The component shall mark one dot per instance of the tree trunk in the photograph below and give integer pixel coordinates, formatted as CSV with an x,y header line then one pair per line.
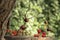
x,y
5,9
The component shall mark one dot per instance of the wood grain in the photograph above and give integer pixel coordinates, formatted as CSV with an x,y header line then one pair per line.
x,y
5,9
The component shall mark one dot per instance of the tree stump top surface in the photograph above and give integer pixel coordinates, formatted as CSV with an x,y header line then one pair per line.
x,y
27,38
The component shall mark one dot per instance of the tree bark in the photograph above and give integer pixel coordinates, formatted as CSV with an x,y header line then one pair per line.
x,y
5,9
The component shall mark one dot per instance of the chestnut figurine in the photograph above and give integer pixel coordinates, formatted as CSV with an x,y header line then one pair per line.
x,y
23,27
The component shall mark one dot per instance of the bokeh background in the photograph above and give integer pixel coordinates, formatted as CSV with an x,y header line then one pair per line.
x,y
38,11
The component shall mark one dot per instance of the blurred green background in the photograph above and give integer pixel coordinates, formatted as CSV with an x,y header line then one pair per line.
x,y
38,11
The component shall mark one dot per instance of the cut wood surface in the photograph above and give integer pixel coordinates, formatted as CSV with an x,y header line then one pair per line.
x,y
27,38
5,9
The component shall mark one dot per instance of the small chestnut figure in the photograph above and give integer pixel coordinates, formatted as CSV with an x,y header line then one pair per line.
x,y
21,30
23,27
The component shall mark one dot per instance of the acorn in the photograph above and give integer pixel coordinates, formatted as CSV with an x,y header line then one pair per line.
x,y
23,27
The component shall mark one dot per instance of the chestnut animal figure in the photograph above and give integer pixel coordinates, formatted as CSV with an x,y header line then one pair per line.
x,y
23,27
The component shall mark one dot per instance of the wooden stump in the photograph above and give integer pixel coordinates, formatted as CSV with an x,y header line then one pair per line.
x,y
26,38
17,38
5,9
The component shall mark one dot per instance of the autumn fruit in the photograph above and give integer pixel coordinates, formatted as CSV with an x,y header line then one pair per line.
x,y
36,35
26,19
14,33
23,27
39,31
44,34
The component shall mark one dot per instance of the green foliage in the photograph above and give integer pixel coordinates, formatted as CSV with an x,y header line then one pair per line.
x,y
38,11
